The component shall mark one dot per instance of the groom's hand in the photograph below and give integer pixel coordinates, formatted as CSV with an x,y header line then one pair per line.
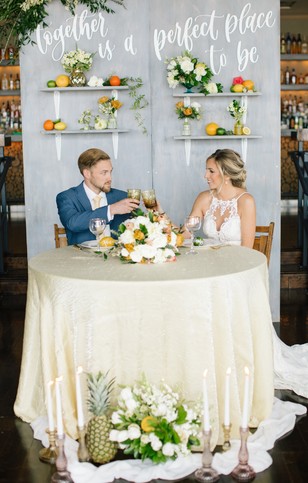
x,y
127,205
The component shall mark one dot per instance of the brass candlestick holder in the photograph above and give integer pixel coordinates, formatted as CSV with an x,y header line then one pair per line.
x,y
61,475
227,430
83,454
207,473
49,455
243,472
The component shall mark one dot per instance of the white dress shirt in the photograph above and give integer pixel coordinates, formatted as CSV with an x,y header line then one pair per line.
x,y
103,202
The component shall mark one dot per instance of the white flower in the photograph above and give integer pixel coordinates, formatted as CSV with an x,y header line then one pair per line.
x,y
211,87
186,65
100,124
199,71
127,237
168,449
155,442
126,393
196,105
95,81
145,439
124,253
113,435
131,405
122,436
115,418
136,255
134,431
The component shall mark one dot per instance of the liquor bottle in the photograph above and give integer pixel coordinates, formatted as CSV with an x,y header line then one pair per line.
x,y
293,77
287,76
11,83
17,82
306,78
301,79
288,43
304,46
293,45
292,122
4,83
283,47
299,44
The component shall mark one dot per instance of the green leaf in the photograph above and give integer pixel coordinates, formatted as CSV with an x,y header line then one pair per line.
x,y
182,414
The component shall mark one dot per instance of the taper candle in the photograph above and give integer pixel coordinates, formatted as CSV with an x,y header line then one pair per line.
x,y
206,415
244,424
80,418
227,398
60,431
51,424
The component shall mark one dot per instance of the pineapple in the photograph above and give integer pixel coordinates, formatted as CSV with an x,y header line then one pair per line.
x,y
101,449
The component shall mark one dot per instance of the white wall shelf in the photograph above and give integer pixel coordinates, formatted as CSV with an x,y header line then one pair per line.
x,y
222,137
221,94
85,89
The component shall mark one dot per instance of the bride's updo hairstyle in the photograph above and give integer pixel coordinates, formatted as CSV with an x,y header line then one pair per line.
x,y
230,164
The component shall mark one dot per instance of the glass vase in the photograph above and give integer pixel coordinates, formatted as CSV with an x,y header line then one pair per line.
x,y
186,128
112,122
78,78
188,87
238,128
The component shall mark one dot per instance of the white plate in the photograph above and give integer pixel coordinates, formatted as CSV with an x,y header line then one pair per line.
x,y
92,245
207,243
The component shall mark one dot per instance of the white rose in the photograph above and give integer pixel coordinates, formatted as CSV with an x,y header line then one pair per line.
x,y
122,436
196,105
155,442
160,241
159,257
115,418
127,237
187,65
169,253
100,124
145,439
168,449
113,435
131,404
133,431
136,254
211,87
148,251
126,393
125,253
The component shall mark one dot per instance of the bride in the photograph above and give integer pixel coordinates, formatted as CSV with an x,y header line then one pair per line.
x,y
229,216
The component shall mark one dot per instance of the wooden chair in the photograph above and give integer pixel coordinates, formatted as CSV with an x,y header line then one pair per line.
x,y
60,236
264,239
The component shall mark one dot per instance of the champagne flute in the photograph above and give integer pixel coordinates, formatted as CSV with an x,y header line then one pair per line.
x,y
192,223
97,227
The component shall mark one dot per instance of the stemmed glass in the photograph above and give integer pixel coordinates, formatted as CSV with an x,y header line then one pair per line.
x,y
192,223
97,227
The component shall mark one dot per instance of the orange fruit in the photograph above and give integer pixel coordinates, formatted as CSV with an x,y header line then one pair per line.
x,y
48,125
62,80
211,128
249,84
114,80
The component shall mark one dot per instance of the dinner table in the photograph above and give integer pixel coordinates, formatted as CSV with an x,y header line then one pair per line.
x,y
168,321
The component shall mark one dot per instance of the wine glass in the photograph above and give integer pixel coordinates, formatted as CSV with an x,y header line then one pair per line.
x,y
135,194
192,223
97,227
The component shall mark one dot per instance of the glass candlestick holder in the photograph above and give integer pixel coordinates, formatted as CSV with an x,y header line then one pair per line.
x,y
206,473
83,454
243,472
49,455
227,430
62,475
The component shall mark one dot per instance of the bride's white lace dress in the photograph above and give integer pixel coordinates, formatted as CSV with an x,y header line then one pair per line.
x,y
290,363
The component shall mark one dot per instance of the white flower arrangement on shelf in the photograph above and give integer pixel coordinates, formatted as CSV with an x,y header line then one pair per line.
x,y
187,71
77,59
155,422
236,110
95,81
86,119
147,238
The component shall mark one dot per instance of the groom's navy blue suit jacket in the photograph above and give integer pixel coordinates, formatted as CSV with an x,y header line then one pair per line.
x,y
75,212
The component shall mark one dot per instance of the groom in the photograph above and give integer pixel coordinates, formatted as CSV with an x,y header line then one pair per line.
x,y
93,198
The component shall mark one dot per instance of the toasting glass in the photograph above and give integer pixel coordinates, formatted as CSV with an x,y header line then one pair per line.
x,y
149,199
192,223
97,227
133,193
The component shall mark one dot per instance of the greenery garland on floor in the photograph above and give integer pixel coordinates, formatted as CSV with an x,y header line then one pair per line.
x,y
20,18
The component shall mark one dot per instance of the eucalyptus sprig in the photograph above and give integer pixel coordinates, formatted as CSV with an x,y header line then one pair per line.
x,y
20,18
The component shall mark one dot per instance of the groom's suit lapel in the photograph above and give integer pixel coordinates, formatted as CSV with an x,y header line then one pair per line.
x,y
82,197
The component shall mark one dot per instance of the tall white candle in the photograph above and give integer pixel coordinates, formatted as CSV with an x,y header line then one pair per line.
x,y
227,398
245,413
206,414
60,431
80,418
51,423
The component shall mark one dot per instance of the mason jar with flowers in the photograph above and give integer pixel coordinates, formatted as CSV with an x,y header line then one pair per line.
x,y
187,71
237,111
109,106
191,111
75,63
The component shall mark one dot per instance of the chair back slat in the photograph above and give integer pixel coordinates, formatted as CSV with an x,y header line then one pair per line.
x,y
264,239
60,236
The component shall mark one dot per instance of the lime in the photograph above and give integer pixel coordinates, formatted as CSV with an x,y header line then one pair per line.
x,y
51,83
221,131
246,130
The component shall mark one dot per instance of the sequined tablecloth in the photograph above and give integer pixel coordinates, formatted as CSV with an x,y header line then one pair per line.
x,y
171,321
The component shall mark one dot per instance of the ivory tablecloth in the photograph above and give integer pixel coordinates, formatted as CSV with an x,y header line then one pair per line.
x,y
171,321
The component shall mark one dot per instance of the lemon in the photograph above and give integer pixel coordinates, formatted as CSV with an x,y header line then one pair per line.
x,y
107,241
237,88
62,80
246,130
60,126
211,128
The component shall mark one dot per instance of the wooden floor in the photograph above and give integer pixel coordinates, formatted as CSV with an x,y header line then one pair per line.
x,y
19,461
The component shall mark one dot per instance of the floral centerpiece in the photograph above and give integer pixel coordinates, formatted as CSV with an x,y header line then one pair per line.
x,y
109,106
147,238
75,63
237,111
154,422
187,71
192,111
